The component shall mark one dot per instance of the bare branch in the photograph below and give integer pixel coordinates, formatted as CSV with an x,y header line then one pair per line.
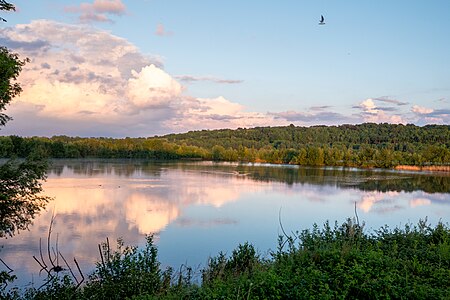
x,y
43,267
10,270
101,255
40,252
79,270
70,269
49,239
356,213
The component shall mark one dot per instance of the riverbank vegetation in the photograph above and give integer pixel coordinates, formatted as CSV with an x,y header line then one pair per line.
x,y
364,145
329,262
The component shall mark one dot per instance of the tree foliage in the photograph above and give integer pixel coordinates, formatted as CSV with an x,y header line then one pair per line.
x,y
20,185
20,182
364,145
6,6
11,66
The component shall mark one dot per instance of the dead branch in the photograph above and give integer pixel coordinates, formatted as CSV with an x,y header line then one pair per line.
x,y
356,214
9,269
68,267
43,268
40,253
49,239
55,268
108,249
288,238
101,255
79,271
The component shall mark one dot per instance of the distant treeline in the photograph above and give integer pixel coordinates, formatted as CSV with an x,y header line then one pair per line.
x,y
364,145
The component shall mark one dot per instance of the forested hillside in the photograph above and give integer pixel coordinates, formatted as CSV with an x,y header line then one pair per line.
x,y
366,145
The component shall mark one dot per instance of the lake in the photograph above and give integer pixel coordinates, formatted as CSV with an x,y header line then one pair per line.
x,y
197,209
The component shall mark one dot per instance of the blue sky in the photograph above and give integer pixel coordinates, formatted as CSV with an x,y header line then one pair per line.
x,y
226,64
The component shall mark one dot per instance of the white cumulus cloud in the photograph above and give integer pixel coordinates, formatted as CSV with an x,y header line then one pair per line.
x,y
152,87
85,81
370,112
88,82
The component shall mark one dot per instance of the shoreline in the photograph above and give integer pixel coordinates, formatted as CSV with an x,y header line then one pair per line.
x,y
439,168
423,168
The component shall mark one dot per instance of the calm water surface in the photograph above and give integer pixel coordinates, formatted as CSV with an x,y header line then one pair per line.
x,y
196,209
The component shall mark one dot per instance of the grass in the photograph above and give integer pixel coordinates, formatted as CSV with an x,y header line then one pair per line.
x,y
328,262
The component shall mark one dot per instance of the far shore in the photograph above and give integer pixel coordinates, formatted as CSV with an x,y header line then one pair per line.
x,y
423,168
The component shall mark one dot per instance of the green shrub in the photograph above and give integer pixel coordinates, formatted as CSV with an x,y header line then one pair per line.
x,y
124,272
340,262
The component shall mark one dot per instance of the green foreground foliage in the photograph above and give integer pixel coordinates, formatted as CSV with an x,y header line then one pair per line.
x,y
364,145
333,262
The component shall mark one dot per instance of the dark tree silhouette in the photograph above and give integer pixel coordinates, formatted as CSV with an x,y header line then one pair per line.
x,y
6,6
20,182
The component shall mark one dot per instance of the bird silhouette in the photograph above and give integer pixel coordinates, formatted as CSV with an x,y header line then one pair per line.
x,y
321,20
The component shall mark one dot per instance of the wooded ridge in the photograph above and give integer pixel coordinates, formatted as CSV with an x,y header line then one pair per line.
x,y
364,145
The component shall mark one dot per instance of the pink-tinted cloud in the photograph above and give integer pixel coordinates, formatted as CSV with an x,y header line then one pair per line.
x,y
421,110
191,78
316,117
161,31
106,6
98,11
426,115
370,112
86,81
88,17
390,100
370,199
216,113
419,202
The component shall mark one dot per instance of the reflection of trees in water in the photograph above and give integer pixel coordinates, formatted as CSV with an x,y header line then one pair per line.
x,y
363,179
366,180
20,202
123,168
426,183
56,170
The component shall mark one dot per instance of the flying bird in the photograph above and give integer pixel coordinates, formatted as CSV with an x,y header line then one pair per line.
x,y
321,20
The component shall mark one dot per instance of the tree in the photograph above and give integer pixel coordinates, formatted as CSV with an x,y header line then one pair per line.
x,y
11,66
20,185
20,182
6,6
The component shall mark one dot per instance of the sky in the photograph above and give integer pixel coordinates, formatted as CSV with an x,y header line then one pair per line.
x,y
121,68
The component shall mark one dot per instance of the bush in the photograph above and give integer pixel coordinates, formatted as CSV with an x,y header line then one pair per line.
x,y
125,272
339,262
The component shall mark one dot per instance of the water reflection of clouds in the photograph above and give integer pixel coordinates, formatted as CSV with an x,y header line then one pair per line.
x,y
148,205
419,202
436,198
369,199
205,223
315,193
388,209
383,202
89,209
148,213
